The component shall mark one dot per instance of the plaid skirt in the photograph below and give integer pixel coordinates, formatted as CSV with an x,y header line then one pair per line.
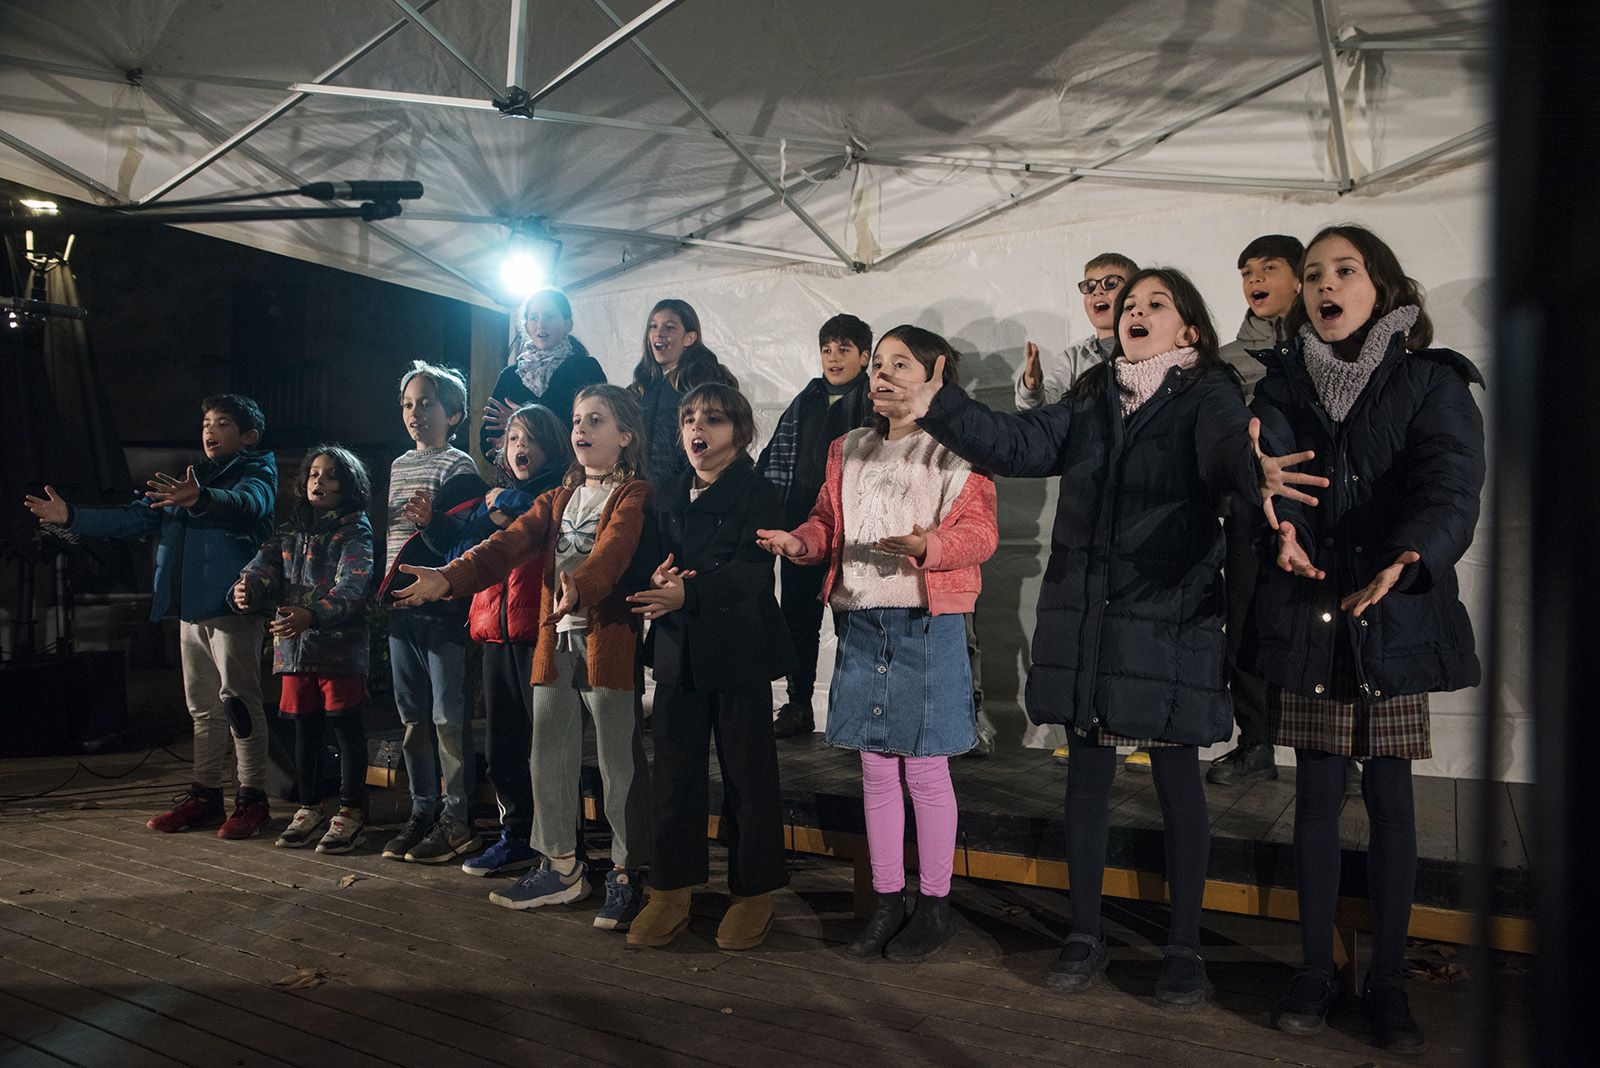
x,y
1346,723
1098,736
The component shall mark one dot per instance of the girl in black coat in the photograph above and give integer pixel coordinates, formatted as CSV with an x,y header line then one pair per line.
x,y
549,367
716,642
1362,618
1129,647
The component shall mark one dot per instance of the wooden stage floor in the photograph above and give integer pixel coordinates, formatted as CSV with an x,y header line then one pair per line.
x,y
119,946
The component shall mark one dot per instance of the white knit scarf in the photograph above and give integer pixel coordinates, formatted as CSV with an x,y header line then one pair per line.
x,y
535,366
1139,381
1339,381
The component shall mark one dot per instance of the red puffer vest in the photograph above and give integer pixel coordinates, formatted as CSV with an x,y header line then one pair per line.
x,y
509,610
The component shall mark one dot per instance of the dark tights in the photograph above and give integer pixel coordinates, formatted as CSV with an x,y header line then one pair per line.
x,y
350,735
1186,833
1391,855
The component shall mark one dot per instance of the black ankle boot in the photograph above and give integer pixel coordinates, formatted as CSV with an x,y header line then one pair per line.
x,y
931,926
888,916
794,720
1388,1014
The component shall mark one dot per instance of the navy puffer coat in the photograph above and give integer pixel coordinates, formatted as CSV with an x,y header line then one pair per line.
x,y
1406,468
1129,635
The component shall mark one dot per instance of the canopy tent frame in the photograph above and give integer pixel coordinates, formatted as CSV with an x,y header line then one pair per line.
x,y
514,101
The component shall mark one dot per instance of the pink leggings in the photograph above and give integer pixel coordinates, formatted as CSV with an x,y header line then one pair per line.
x,y
933,799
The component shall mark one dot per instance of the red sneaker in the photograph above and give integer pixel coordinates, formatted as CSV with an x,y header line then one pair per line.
x,y
249,817
199,807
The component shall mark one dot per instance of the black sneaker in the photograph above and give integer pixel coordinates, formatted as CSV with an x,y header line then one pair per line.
x,y
1304,1007
1388,1014
1081,959
1181,984
415,830
1246,763
794,719
449,839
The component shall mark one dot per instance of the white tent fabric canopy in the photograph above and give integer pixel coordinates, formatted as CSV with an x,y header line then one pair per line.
x,y
942,162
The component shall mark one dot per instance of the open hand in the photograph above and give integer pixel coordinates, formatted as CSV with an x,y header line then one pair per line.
x,y
168,492
665,573
290,620
914,545
1276,478
1381,584
781,543
1292,555
419,509
566,600
907,398
1032,372
431,585
665,596
241,596
49,508
495,414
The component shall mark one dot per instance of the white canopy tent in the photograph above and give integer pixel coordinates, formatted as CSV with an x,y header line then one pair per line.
x,y
944,162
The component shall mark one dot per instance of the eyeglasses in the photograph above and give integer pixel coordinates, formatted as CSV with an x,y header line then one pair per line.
x,y
1110,283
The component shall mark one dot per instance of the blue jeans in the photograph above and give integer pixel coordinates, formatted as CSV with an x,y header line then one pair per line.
x,y
428,653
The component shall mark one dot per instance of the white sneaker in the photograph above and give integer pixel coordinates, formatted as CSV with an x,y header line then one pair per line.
x,y
345,831
302,828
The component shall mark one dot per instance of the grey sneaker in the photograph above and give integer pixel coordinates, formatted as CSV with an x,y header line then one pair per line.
x,y
345,831
449,839
415,830
302,828
544,886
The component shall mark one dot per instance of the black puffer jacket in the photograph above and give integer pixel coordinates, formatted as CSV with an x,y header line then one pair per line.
x,y
1406,468
1131,610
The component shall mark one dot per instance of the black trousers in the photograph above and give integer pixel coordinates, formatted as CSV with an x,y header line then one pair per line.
x,y
350,734
752,813
1239,578
799,598
507,704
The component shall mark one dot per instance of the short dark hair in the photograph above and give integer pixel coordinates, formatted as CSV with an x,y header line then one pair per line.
x,y
355,485
1395,289
241,409
1274,247
927,347
846,327
727,400
1112,259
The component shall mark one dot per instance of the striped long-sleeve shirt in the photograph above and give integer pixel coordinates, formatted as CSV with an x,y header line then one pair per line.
x,y
419,469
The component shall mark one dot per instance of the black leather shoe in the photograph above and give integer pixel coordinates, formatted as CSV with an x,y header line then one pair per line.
x,y
887,919
931,926
794,720
1388,1014
1082,958
1181,984
1304,1007
1246,763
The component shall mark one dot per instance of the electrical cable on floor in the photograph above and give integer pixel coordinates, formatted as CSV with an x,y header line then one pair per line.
x,y
12,799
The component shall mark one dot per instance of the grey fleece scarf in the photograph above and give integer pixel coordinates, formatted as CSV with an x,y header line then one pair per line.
x,y
535,366
1339,382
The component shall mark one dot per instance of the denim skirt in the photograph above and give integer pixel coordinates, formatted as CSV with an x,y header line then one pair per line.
x,y
902,684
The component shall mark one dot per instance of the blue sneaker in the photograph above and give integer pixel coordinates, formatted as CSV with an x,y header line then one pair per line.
x,y
505,855
544,886
623,901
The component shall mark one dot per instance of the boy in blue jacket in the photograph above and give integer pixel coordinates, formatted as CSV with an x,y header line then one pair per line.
x,y
210,523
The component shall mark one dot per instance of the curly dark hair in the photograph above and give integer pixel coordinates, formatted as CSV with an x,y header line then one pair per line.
x,y
355,485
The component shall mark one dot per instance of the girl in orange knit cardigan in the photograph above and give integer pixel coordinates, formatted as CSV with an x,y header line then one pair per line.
x,y
589,530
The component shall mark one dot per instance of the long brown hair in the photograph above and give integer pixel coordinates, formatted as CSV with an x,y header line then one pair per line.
x,y
1191,309
355,487
624,408
1395,288
699,364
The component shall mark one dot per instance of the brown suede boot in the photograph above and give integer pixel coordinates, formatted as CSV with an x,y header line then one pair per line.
x,y
746,923
665,914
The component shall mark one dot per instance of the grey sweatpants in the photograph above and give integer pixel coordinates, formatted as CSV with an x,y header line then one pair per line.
x,y
222,686
558,753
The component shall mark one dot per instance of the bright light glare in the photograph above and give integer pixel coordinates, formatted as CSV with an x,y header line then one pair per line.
x,y
42,207
522,273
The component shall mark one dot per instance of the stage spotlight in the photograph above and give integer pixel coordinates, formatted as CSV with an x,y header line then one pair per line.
x,y
529,262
